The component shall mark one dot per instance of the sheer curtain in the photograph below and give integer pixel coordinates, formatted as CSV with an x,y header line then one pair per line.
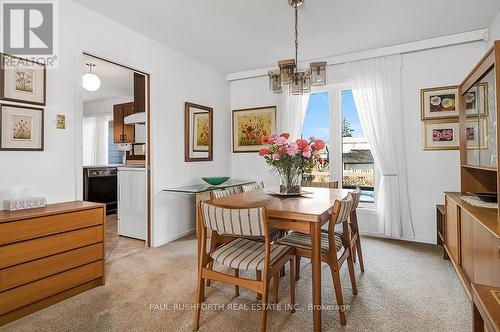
x,y
376,87
292,114
95,140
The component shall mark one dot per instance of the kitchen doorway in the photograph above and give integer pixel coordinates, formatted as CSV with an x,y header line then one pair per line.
x,y
115,136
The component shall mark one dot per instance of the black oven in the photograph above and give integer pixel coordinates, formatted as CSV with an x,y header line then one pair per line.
x,y
100,185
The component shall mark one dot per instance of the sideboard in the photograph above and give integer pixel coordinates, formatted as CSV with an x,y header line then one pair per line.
x,y
49,254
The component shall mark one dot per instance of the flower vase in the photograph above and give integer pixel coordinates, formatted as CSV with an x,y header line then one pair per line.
x,y
290,182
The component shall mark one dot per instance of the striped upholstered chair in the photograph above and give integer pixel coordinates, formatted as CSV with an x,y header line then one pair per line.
x,y
330,184
225,192
242,253
335,249
353,224
253,186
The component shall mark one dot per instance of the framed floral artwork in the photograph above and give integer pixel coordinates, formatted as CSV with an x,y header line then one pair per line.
x,y
476,96
439,103
21,128
198,132
22,80
201,131
250,125
476,133
441,135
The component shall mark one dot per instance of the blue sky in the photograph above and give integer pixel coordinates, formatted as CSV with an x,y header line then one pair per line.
x,y
317,120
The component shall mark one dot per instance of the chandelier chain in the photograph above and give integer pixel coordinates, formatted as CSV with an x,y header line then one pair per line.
x,y
296,34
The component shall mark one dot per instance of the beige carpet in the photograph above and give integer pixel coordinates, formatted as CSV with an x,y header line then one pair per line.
x,y
406,287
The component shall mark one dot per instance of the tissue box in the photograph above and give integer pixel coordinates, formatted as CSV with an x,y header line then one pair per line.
x,y
25,203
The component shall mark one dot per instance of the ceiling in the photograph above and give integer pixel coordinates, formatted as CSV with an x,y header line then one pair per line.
x,y
237,35
116,81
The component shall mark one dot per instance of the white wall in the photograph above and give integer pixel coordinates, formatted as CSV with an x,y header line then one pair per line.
x,y
429,173
494,31
175,79
104,106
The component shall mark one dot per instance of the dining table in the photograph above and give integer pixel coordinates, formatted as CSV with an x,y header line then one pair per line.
x,y
305,213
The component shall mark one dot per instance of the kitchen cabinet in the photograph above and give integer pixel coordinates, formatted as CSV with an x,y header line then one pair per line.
x,y
451,229
123,133
132,206
139,93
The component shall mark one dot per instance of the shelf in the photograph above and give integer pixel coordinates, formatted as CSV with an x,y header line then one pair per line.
x,y
484,168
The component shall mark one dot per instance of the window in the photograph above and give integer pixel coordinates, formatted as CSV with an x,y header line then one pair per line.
x,y
357,159
316,124
115,156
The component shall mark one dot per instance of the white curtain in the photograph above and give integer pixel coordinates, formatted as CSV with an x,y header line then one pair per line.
x,y
292,114
95,140
376,87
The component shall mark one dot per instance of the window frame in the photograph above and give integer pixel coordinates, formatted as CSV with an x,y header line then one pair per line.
x,y
335,138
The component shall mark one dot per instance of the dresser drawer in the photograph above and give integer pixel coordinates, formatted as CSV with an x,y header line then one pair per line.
x,y
25,251
38,290
36,227
27,272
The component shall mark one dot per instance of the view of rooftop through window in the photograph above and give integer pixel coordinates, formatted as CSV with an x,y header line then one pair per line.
x,y
357,159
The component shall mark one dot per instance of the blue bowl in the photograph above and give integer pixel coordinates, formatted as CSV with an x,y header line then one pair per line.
x,y
215,180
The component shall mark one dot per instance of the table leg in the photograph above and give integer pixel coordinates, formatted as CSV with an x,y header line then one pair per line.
x,y
316,274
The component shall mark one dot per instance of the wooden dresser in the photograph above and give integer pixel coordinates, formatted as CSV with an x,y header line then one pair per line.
x,y
49,254
472,241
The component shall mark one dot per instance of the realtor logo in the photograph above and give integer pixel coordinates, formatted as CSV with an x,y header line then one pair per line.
x,y
29,29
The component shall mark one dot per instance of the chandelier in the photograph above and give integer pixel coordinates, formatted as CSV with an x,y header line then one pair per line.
x,y
299,80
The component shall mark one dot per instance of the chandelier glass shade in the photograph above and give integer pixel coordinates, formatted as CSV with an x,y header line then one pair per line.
x,y
90,81
300,81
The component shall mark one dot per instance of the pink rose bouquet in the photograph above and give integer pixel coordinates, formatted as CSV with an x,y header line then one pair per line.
x,y
291,159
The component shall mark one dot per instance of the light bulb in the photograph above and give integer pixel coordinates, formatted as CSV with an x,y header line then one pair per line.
x,y
91,82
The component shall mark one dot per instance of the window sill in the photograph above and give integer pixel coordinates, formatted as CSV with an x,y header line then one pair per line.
x,y
370,208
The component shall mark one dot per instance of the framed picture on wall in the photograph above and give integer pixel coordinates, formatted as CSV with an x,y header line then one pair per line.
x,y
198,132
441,135
476,100
250,125
201,130
439,103
21,128
22,80
476,133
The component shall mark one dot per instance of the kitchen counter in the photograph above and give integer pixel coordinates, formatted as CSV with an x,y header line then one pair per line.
x,y
103,166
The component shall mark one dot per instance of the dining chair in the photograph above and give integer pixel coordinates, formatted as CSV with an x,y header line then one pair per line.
x,y
331,245
329,184
253,186
242,253
219,238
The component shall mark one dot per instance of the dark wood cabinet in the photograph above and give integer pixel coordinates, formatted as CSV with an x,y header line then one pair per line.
x,y
139,93
123,133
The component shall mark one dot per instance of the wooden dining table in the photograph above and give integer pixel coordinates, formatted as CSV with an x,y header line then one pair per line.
x,y
305,214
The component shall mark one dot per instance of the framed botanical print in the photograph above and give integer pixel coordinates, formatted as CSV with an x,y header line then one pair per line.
x,y
250,125
21,128
441,134
198,132
439,103
476,96
201,131
476,133
22,80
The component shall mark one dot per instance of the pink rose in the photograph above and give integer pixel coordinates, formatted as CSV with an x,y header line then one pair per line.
x,y
302,143
276,156
264,151
447,134
285,135
306,154
436,136
319,144
280,141
292,149
283,149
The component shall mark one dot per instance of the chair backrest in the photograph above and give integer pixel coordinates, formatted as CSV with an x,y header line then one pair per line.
x,y
356,196
253,186
241,222
225,192
342,209
329,184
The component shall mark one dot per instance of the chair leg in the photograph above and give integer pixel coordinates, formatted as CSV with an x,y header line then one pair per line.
x,y
263,315
258,277
282,272
360,254
353,252
292,284
297,267
276,288
199,300
352,275
210,267
236,288
338,295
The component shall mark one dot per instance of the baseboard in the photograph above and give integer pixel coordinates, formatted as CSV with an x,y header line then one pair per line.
x,y
408,239
183,234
